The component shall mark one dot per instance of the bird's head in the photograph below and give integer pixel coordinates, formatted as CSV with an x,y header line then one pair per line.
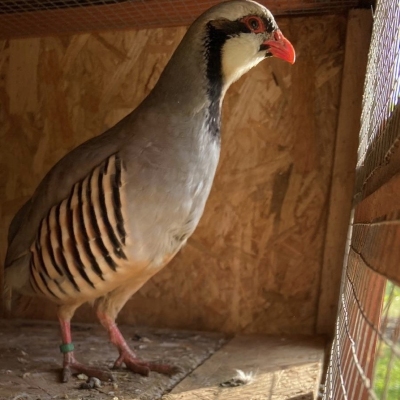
x,y
237,36
218,48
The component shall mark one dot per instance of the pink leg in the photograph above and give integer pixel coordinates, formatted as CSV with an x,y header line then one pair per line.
x,y
70,365
126,355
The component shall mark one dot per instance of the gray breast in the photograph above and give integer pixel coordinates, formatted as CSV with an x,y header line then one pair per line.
x,y
169,183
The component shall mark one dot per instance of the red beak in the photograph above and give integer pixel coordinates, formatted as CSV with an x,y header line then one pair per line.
x,y
280,47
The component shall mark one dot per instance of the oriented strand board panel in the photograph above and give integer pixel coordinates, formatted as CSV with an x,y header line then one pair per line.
x,y
254,263
30,360
281,369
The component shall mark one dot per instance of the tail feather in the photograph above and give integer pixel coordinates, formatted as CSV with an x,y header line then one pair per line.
x,y
16,281
6,302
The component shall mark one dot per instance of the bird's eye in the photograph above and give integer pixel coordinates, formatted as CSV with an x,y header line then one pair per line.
x,y
253,22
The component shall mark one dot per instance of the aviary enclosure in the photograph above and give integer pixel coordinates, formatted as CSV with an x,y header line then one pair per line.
x,y
292,273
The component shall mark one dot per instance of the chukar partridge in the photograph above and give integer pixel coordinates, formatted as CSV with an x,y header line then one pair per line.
x,y
116,209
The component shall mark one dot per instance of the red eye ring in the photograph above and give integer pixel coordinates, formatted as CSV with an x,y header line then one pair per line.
x,y
254,23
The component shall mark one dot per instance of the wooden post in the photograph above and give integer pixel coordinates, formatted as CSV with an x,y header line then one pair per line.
x,y
357,44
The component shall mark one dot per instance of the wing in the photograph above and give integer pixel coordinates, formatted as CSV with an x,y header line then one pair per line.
x,y
81,241
57,185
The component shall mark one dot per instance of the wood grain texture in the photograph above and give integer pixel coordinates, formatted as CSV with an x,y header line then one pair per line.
x,y
282,369
254,262
371,243
382,203
359,28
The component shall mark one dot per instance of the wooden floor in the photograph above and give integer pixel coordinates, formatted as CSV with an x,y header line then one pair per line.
x,y
274,368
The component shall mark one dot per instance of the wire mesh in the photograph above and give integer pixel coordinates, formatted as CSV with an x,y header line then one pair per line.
x,y
381,117
365,361
386,376
365,356
21,18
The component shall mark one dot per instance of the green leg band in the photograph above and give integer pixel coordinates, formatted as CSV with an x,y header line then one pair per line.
x,y
67,348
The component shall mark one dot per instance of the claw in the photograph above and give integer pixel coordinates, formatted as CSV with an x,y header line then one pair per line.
x,y
137,366
127,356
143,368
104,374
164,369
66,374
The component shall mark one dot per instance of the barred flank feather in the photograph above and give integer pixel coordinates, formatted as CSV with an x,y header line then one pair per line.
x,y
82,239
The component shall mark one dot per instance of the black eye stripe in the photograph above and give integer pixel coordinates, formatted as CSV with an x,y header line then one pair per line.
x,y
229,28
253,23
270,25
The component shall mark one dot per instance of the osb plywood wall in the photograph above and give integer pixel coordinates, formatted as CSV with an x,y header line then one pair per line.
x,y
254,262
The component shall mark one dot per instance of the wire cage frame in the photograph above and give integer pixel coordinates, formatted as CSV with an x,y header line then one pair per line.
x,y
24,18
365,354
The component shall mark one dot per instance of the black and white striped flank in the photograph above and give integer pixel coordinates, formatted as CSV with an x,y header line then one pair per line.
x,y
83,237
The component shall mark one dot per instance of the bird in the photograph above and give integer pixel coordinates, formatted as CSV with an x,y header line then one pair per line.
x,y
116,209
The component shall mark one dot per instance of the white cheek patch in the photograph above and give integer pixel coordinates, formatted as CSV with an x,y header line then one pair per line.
x,y
239,54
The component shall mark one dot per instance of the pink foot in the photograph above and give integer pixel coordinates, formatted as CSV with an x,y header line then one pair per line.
x,y
128,358
71,366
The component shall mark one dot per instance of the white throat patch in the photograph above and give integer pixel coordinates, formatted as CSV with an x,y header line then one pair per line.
x,y
239,54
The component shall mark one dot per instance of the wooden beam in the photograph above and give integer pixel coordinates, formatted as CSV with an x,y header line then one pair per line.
x,y
376,231
382,160
357,43
381,204
377,245
282,368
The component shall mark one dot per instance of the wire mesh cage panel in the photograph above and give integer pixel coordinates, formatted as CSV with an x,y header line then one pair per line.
x,y
365,361
381,117
351,367
365,357
21,18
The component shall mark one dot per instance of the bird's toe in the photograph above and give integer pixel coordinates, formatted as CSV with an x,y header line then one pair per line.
x,y
164,369
143,368
104,374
